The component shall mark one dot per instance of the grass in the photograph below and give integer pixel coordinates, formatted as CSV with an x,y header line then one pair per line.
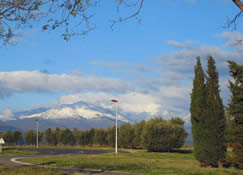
x,y
10,151
98,147
31,171
138,161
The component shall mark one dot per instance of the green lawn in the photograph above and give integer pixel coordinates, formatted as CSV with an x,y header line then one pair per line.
x,y
64,147
138,161
31,171
10,151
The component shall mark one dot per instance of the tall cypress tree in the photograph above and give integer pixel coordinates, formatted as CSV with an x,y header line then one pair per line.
x,y
198,112
215,121
236,112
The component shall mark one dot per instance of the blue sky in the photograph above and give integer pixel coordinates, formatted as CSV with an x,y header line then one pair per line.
x,y
148,66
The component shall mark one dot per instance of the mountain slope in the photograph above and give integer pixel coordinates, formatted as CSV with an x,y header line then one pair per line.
x,y
80,115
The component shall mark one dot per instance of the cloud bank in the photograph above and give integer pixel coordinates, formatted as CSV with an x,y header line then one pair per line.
x,y
36,81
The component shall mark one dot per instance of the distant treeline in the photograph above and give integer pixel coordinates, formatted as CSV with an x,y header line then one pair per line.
x,y
154,135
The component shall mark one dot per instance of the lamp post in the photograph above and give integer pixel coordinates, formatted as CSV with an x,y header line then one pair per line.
x,y
37,131
115,101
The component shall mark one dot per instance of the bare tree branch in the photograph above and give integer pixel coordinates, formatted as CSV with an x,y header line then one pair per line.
x,y
233,22
140,2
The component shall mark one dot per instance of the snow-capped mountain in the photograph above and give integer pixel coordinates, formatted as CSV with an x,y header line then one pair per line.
x,y
72,113
78,115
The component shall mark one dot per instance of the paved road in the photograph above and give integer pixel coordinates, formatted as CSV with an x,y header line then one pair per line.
x,y
6,160
12,161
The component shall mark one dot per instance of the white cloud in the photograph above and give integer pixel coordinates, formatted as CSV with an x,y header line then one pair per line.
x,y
169,101
233,40
139,103
7,114
129,102
93,98
185,44
36,81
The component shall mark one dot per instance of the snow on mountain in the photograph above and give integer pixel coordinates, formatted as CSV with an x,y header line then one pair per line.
x,y
75,111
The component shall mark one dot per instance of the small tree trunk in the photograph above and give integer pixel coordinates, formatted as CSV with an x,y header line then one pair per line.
x,y
220,164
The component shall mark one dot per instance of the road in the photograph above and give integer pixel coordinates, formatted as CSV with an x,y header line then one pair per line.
x,y
15,161
6,160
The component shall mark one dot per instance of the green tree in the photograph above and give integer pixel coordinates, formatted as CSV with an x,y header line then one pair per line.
x,y
126,136
161,135
138,130
177,121
229,128
84,138
215,122
17,136
76,134
236,111
67,137
40,136
91,134
8,137
180,133
56,136
198,109
48,135
30,137
100,137
111,134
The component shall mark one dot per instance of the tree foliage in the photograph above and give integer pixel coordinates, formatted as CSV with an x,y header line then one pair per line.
x,y
215,122
208,116
99,137
111,136
138,130
161,135
7,137
198,111
71,16
67,137
236,111
30,137
126,136
17,136
48,135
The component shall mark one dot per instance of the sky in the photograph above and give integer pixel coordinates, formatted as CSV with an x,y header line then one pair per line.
x,y
148,65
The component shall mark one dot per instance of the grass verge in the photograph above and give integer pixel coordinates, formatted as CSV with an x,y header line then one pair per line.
x,y
138,161
31,171
11,151
64,147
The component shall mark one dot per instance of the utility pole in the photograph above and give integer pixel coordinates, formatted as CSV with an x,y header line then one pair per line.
x,y
115,101
37,131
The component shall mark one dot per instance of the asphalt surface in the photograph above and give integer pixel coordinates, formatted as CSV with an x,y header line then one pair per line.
x,y
15,161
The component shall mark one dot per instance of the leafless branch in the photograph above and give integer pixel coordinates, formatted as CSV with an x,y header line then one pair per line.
x,y
134,15
233,22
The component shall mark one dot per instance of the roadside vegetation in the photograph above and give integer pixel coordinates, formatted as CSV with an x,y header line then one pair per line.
x,y
10,151
145,134
31,171
179,162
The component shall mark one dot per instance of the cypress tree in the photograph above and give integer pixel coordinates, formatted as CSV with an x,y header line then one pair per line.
x,y
215,121
236,112
198,113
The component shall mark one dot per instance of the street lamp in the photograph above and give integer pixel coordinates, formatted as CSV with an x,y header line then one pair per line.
x,y
37,130
115,101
